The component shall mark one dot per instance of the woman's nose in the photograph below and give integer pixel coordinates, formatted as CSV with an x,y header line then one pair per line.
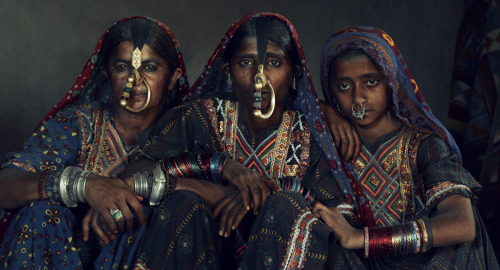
x,y
358,94
138,79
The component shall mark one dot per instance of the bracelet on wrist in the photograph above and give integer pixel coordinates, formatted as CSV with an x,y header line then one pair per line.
x,y
410,237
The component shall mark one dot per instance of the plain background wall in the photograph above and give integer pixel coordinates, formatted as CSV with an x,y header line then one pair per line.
x,y
45,44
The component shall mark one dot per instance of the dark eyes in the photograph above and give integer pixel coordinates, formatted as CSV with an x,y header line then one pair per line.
x,y
246,62
150,68
372,82
345,86
122,67
273,63
270,62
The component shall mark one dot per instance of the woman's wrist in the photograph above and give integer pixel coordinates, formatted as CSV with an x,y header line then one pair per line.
x,y
357,239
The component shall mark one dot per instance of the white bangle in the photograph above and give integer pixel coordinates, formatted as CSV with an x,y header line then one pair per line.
x,y
158,189
367,241
64,185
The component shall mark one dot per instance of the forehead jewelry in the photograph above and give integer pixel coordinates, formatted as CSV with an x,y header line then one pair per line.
x,y
131,80
358,111
140,32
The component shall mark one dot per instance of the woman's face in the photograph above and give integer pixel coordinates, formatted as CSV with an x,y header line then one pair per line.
x,y
277,68
154,69
358,80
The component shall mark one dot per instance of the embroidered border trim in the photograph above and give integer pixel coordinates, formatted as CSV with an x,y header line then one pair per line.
x,y
298,245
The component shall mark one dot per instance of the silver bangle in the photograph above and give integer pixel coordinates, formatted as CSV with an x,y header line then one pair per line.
x,y
72,186
142,185
158,188
63,187
80,186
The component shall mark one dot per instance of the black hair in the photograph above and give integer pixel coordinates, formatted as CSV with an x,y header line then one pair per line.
x,y
278,33
158,39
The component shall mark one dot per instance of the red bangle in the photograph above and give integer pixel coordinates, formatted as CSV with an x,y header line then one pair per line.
x,y
40,183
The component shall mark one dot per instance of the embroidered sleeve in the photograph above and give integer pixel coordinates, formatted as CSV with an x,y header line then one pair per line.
x,y
319,178
53,145
442,174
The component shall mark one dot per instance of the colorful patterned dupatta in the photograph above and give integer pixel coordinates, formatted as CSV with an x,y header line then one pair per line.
x,y
92,85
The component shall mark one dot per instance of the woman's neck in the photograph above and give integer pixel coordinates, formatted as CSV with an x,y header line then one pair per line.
x,y
379,128
130,126
256,125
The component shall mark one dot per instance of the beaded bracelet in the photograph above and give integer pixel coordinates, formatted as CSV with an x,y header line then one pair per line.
x,y
40,183
52,187
411,237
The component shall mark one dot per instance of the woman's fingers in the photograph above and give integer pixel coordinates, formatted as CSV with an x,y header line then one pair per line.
x,y
224,228
86,225
220,205
101,230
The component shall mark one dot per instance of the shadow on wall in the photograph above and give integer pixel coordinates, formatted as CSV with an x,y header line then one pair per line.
x,y
474,114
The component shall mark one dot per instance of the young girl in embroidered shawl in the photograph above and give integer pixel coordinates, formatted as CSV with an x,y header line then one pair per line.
x,y
414,200
77,152
252,117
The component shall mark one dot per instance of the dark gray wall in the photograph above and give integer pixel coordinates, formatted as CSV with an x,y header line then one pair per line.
x,y
44,44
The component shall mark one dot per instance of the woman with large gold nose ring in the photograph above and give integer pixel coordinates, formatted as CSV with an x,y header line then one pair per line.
x,y
135,79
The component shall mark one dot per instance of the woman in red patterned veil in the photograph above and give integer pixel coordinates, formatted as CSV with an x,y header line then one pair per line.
x,y
72,161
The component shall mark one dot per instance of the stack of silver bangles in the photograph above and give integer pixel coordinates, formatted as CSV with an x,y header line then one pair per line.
x,y
68,186
151,185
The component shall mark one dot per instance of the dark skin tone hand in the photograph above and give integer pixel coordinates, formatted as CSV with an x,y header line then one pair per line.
x,y
122,197
232,202
249,183
453,212
346,137
231,213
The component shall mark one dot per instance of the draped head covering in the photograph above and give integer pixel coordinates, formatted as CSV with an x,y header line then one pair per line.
x,y
93,85
409,103
306,100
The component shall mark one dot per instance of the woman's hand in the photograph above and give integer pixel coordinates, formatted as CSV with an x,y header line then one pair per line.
x,y
348,236
104,194
345,135
92,219
232,210
249,183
